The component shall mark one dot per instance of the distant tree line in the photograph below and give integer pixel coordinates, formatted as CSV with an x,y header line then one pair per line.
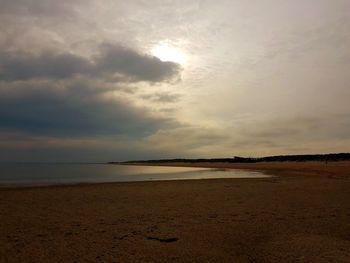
x,y
236,159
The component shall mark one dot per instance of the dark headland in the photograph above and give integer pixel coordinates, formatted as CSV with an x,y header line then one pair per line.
x,y
331,157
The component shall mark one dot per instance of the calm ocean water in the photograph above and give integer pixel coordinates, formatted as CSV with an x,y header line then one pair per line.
x,y
46,174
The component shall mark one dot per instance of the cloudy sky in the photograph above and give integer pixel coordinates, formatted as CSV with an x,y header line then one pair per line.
x,y
88,80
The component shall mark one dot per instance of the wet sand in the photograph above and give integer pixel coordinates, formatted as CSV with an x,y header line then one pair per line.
x,y
302,215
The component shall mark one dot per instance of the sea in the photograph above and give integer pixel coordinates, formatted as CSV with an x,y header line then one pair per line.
x,y
36,174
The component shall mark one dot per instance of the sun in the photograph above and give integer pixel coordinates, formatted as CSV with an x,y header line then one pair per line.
x,y
167,53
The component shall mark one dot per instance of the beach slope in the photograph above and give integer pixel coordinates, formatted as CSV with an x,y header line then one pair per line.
x,y
301,215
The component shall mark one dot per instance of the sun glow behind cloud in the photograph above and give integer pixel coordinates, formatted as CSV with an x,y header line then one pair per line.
x,y
168,53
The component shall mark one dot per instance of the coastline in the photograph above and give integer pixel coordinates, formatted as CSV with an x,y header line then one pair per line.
x,y
341,168
302,214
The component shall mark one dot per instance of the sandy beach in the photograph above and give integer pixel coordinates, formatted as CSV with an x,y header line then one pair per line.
x,y
301,215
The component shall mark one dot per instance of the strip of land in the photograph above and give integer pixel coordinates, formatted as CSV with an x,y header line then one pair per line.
x,y
302,215
341,168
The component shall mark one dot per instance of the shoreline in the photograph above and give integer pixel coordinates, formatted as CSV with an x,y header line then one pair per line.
x,y
124,183
273,169
185,175
307,167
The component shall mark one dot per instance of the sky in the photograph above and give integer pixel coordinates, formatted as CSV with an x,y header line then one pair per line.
x,y
112,80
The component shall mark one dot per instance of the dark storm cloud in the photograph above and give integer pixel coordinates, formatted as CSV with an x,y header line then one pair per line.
x,y
38,108
118,59
113,61
23,66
